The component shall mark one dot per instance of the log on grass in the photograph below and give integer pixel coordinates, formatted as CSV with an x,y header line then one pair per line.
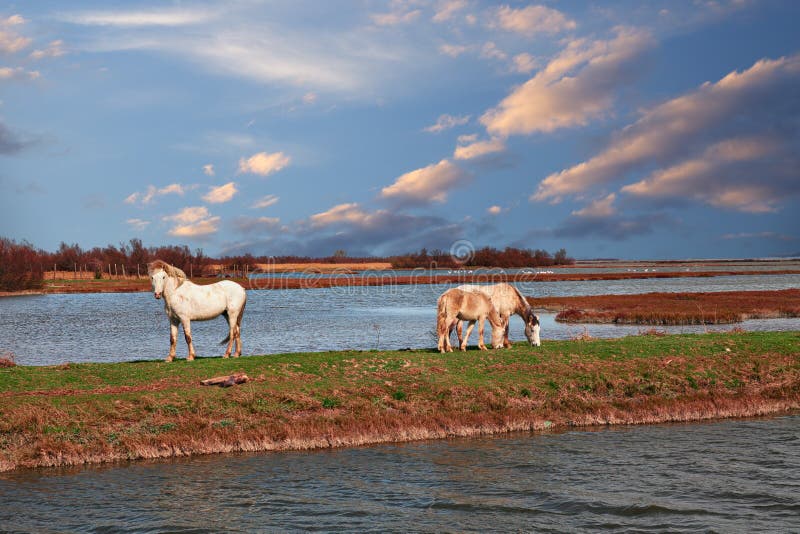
x,y
226,380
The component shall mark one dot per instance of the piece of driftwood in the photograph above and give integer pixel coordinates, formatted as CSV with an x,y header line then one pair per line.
x,y
226,380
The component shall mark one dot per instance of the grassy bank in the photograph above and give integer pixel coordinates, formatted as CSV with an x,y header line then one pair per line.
x,y
673,308
79,413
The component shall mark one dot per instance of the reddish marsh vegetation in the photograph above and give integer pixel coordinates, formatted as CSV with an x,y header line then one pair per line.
x,y
299,401
379,279
674,308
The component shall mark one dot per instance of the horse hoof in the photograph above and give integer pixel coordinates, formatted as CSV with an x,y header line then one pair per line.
x,y
226,355
189,358
169,359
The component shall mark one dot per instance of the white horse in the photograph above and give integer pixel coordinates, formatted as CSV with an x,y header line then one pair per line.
x,y
454,306
507,300
185,301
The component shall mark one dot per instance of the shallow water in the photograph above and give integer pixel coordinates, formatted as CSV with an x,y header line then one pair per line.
x,y
53,329
729,476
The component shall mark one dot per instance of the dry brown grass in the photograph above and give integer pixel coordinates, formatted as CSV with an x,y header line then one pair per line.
x,y
674,308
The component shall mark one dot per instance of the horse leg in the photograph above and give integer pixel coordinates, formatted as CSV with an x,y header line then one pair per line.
x,y
507,320
236,333
466,336
443,333
238,341
459,331
187,333
481,346
173,340
239,330
231,332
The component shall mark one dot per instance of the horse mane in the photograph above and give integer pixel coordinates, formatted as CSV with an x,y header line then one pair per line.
x,y
171,270
528,307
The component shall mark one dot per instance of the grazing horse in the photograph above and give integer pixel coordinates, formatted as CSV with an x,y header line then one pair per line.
x,y
454,306
185,301
507,300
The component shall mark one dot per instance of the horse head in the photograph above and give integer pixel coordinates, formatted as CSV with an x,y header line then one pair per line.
x,y
532,329
159,271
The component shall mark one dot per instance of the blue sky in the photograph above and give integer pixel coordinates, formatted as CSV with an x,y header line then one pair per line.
x,y
620,129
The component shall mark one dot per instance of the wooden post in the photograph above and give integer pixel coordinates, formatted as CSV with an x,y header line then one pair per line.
x,y
54,271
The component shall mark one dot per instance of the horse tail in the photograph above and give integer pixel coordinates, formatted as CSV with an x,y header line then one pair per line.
x,y
241,313
441,313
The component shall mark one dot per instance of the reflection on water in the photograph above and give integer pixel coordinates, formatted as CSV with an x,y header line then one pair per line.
x,y
729,476
52,329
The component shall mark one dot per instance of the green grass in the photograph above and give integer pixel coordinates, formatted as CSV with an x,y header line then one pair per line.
x,y
329,369
68,413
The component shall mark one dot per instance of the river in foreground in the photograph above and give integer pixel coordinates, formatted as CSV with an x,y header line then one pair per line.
x,y
729,476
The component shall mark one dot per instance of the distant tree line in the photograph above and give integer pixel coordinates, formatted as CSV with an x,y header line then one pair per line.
x,y
22,266
508,258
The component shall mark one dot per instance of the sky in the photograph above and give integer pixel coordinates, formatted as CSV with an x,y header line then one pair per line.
x,y
639,130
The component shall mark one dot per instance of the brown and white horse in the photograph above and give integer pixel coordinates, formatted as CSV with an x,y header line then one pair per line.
x,y
185,301
454,306
507,300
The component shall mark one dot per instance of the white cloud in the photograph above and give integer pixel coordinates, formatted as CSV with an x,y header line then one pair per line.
x,y
18,73
603,207
189,215
208,170
152,192
479,149
453,50
532,20
199,229
264,164
394,18
265,202
193,221
578,85
426,185
243,43
169,17
13,20
445,122
223,193
707,178
524,63
138,224
495,210
350,213
309,98
759,235
446,9
10,41
681,130
490,51
54,49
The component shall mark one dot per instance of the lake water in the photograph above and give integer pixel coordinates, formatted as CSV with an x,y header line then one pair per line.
x,y
53,329
728,476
